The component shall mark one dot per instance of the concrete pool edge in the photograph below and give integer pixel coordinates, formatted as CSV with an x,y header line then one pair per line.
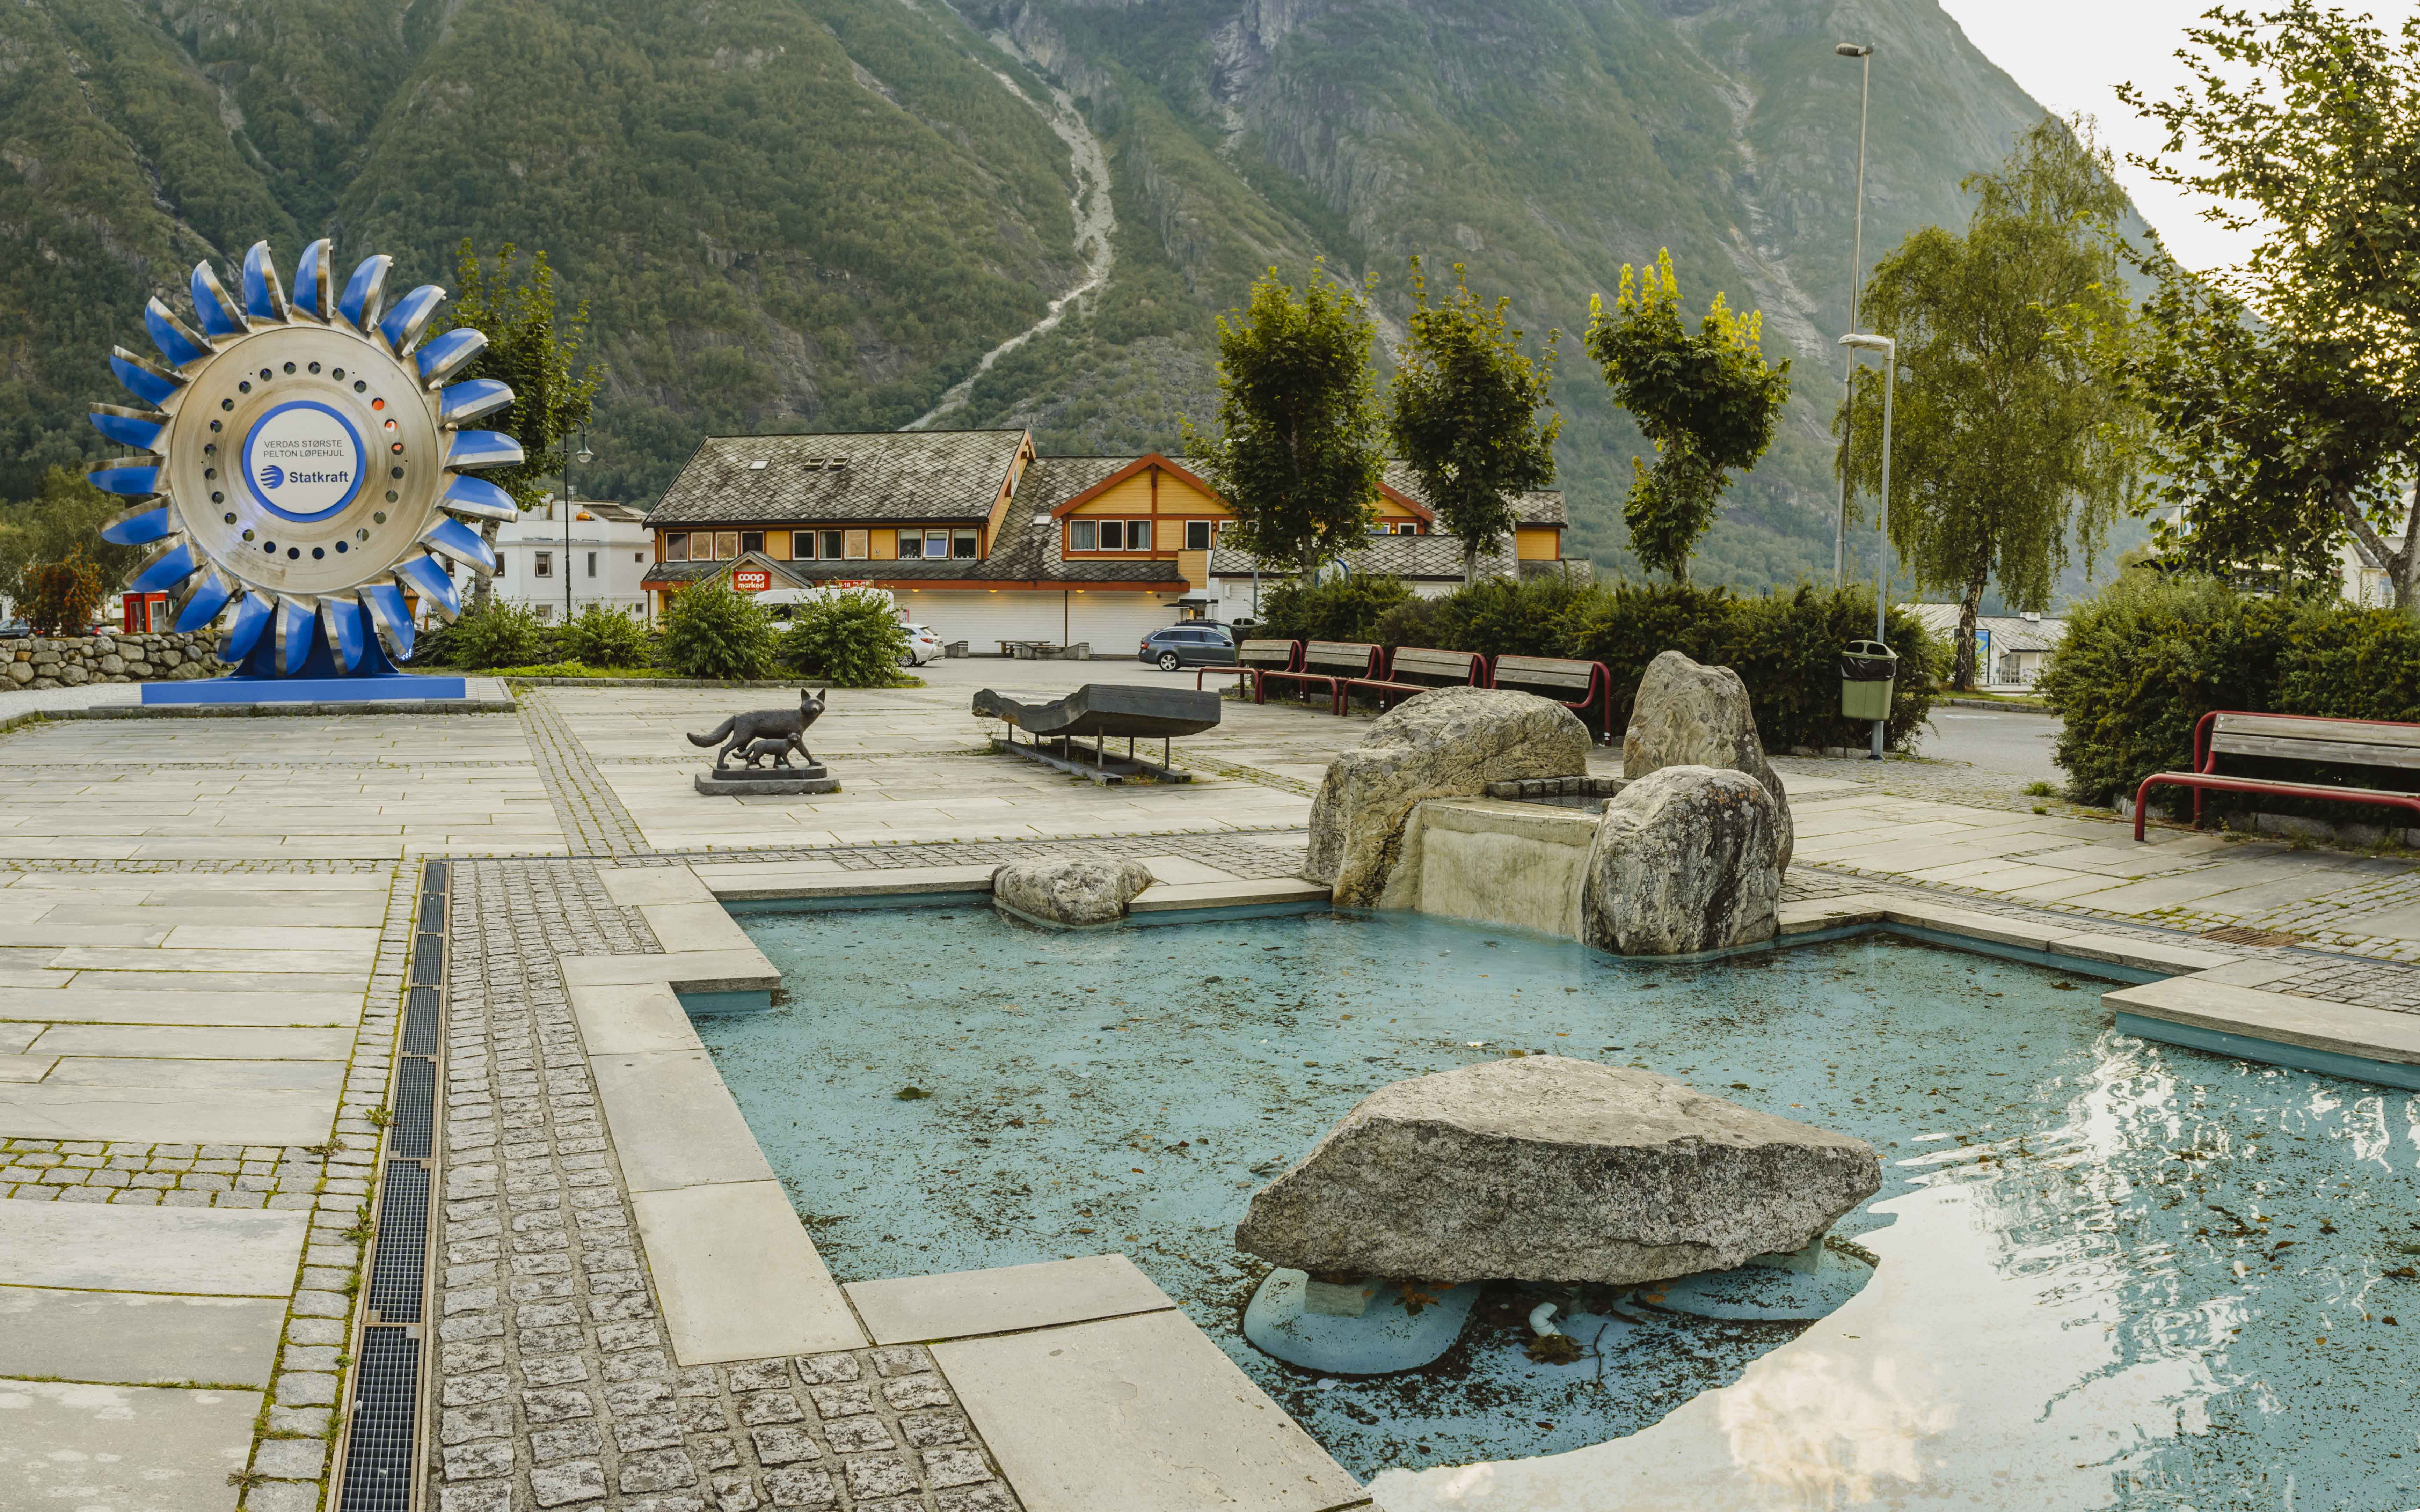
x,y
728,1249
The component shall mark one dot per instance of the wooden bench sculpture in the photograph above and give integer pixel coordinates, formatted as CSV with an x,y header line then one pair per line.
x,y
1585,687
2294,738
1324,664
1444,669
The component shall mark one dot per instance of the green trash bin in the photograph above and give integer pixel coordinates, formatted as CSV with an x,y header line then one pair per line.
x,y
1868,670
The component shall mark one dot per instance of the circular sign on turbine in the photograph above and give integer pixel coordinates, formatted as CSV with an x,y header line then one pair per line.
x,y
305,465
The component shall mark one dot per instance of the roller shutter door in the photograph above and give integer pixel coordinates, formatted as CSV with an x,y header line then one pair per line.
x,y
1115,623
982,620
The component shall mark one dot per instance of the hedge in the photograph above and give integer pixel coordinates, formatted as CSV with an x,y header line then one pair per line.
x,y
2148,655
1785,644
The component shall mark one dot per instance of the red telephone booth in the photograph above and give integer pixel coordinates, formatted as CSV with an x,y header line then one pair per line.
x,y
145,613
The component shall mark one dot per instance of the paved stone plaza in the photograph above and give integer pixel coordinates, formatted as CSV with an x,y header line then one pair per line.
x,y
207,925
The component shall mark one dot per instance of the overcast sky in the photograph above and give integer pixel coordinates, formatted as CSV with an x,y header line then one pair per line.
x,y
2072,56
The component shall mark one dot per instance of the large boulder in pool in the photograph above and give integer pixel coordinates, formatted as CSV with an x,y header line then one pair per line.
x,y
1069,894
1544,1168
1686,859
1449,743
1688,715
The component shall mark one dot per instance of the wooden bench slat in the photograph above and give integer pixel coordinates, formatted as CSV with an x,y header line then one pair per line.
x,y
1545,672
2295,726
2350,752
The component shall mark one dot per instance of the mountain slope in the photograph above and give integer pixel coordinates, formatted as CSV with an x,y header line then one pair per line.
x,y
822,214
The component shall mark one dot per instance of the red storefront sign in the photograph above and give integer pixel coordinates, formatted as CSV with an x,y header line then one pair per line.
x,y
751,579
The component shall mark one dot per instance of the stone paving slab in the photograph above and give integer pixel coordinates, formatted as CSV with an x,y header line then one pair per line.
x,y
111,1248
1137,1414
111,1002
162,1042
198,1113
135,1339
736,1276
674,1123
143,1449
1008,1299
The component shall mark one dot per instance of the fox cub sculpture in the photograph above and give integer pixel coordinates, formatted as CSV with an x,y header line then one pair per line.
x,y
787,726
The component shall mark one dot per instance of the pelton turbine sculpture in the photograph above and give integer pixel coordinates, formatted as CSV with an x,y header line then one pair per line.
x,y
301,460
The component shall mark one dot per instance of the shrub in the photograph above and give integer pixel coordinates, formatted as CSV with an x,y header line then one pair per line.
x,y
1785,645
605,637
851,639
2145,657
61,597
712,630
1348,609
500,634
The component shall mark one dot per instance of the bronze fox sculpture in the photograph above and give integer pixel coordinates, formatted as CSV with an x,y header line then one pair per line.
x,y
786,725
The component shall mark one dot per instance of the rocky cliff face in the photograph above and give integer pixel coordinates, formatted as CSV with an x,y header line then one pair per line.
x,y
826,213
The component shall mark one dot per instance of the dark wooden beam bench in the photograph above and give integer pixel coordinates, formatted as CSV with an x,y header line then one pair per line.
x,y
1585,687
1405,664
2375,743
1324,665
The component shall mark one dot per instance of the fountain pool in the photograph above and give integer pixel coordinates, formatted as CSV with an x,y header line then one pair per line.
x,y
2156,1277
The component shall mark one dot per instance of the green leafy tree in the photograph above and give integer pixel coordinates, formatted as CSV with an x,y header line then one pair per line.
x,y
1708,402
1463,413
1296,450
499,633
852,638
2307,376
713,630
2012,429
65,516
532,348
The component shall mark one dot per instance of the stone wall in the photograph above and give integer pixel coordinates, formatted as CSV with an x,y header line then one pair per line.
x,y
74,660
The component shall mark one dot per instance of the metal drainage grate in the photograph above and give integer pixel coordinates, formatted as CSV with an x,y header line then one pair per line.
x,y
427,959
420,1022
387,1398
401,1257
432,876
432,911
415,1109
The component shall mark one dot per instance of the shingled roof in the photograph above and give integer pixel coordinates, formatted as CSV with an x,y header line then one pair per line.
x,y
1544,507
949,476
1435,557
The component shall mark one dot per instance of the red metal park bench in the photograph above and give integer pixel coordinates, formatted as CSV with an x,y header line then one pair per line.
x,y
1324,664
1406,665
2294,738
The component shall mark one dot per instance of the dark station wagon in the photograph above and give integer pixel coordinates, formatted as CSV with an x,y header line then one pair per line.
x,y
1188,645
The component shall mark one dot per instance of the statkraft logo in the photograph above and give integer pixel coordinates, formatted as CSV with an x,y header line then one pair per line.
x,y
271,476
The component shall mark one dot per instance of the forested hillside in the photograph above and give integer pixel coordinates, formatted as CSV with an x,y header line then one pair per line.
x,y
821,214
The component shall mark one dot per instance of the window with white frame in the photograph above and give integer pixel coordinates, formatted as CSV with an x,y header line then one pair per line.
x,y
1197,535
592,563
1138,536
1083,535
545,567
962,545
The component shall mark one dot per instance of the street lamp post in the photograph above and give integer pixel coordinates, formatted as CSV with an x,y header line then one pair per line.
x,y
1863,53
1856,343
585,456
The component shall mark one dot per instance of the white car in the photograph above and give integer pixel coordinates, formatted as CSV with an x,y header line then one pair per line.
x,y
923,645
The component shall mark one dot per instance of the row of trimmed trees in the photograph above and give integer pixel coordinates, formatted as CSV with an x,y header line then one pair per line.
x,y
1301,433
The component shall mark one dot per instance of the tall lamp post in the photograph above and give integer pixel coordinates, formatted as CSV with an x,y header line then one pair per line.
x,y
585,456
1856,343
1863,53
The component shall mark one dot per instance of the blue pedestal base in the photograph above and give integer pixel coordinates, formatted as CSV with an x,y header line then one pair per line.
x,y
388,687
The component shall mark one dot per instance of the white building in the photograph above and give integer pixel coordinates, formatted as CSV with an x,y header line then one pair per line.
x,y
2011,651
606,554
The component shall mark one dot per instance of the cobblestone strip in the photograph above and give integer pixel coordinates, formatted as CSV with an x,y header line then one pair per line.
x,y
265,867
168,1176
592,817
555,1382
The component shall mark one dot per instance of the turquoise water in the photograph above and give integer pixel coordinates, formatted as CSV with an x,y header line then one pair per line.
x,y
2208,1222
